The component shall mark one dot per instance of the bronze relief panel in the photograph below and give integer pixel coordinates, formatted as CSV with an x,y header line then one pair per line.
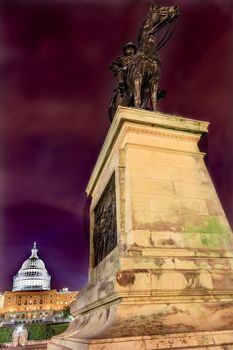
x,y
105,227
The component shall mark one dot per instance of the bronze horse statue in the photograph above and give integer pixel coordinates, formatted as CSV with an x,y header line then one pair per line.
x,y
142,73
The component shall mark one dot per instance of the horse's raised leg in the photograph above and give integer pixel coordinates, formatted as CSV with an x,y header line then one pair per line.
x,y
153,93
137,92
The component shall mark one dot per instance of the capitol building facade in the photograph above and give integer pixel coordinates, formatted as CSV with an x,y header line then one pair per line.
x,y
31,298
32,275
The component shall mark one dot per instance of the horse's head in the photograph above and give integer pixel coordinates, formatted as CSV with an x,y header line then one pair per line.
x,y
156,19
161,15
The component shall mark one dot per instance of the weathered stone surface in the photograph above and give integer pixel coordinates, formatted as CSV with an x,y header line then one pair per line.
x,y
172,268
199,340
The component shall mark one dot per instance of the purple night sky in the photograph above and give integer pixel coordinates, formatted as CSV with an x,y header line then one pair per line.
x,y
55,91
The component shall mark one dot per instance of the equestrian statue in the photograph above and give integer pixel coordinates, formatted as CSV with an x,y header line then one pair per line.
x,y
137,70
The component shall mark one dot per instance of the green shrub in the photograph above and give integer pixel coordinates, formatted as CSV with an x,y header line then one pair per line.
x,y
59,327
6,334
39,331
36,331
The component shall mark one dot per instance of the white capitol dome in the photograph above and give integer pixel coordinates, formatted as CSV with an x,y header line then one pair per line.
x,y
32,275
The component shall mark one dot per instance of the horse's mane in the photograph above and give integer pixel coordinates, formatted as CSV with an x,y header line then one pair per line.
x,y
145,25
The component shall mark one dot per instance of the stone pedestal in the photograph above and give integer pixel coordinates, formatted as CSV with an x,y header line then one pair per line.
x,y
161,265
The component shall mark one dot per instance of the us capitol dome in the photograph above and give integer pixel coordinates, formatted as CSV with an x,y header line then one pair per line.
x,y
32,275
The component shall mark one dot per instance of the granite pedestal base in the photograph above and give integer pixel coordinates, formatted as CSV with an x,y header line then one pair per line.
x,y
199,340
167,279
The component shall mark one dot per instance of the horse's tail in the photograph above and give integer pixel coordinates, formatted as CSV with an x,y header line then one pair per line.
x,y
112,107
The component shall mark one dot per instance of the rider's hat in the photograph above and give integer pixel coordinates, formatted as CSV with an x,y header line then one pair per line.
x,y
129,44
